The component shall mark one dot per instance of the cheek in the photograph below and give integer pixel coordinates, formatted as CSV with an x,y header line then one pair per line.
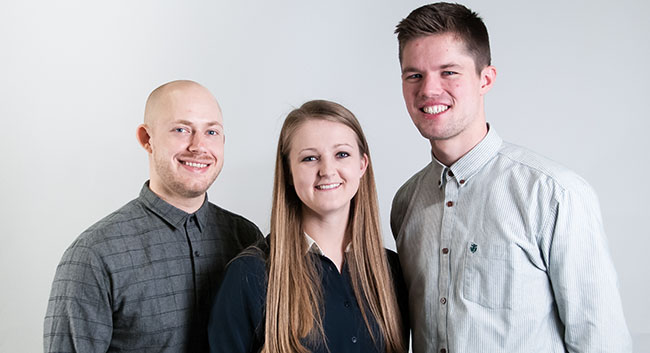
x,y
216,146
297,179
409,92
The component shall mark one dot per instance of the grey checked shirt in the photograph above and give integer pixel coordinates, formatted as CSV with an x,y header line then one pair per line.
x,y
143,278
505,251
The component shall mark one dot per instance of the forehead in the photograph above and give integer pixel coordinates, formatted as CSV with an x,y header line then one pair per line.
x,y
319,134
192,106
444,48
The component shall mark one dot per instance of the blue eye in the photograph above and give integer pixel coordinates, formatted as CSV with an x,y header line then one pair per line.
x,y
213,132
309,159
343,155
448,73
413,77
180,129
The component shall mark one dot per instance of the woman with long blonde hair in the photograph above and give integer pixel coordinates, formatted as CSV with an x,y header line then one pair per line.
x,y
322,280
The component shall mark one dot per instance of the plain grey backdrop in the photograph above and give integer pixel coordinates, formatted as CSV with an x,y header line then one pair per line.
x,y
572,84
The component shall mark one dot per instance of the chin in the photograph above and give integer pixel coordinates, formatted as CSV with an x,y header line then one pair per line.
x,y
192,190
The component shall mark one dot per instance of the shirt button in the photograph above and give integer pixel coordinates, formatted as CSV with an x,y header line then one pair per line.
x,y
462,181
197,253
443,300
450,173
439,182
354,339
442,350
346,304
445,251
450,203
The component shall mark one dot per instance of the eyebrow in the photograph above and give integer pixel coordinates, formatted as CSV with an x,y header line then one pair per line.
x,y
441,67
339,145
187,122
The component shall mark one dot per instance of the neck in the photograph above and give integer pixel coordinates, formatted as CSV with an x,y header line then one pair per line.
x,y
450,150
188,205
329,232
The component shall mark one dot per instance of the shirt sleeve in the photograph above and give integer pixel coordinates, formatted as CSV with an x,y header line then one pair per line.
x,y
583,276
236,319
79,314
397,211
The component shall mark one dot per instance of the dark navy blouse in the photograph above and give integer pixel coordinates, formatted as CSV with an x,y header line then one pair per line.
x,y
237,316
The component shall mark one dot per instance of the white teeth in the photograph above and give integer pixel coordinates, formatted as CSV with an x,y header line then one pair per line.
x,y
195,165
327,186
435,109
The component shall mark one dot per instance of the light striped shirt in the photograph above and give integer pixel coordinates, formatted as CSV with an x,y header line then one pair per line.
x,y
505,251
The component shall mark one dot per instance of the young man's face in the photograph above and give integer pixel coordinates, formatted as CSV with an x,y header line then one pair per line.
x,y
187,143
442,90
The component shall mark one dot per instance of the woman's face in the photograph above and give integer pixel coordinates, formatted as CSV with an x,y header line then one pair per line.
x,y
326,166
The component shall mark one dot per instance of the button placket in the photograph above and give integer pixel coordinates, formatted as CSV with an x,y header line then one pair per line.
x,y
451,190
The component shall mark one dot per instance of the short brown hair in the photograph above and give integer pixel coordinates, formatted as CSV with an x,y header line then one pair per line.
x,y
443,17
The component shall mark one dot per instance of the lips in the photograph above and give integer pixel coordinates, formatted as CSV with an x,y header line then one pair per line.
x,y
435,108
328,186
195,164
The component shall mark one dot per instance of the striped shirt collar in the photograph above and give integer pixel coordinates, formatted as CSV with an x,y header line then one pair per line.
x,y
472,162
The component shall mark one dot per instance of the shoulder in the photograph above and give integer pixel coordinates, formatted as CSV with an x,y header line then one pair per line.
x,y
232,221
100,235
247,273
250,262
254,258
525,162
411,185
405,195
84,261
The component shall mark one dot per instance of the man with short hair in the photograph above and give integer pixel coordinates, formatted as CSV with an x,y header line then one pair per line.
x,y
502,249
142,279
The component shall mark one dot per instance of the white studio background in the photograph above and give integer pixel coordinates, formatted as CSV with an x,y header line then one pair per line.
x,y
74,76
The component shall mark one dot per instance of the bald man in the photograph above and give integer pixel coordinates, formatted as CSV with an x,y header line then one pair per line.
x,y
142,279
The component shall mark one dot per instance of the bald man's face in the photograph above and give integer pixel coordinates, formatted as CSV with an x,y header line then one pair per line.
x,y
186,144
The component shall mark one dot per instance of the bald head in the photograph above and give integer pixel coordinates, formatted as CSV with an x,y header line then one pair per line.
x,y
163,99
183,134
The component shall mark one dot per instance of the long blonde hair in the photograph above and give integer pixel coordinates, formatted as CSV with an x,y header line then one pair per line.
x,y
294,294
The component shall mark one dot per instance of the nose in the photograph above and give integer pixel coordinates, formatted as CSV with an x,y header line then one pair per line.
x,y
326,168
197,143
431,86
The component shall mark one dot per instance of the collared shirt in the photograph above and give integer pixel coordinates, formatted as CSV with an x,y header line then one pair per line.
x,y
312,246
505,251
237,318
143,278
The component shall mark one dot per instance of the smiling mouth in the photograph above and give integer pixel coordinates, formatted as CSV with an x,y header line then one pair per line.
x,y
328,186
434,109
194,164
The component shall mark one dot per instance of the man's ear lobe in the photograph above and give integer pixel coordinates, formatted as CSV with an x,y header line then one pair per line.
x,y
143,136
488,75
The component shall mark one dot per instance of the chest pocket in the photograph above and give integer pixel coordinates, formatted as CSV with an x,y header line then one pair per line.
x,y
491,276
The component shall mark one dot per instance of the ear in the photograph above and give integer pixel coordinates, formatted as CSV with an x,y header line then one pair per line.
x,y
488,75
143,136
364,164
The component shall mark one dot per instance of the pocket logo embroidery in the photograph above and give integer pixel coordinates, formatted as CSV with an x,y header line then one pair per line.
x,y
473,248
